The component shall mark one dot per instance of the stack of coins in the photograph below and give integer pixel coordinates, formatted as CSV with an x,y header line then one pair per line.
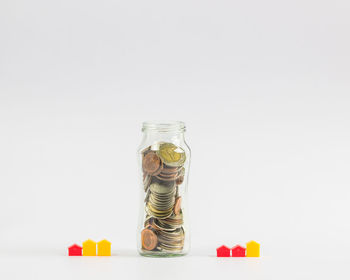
x,y
163,172
161,199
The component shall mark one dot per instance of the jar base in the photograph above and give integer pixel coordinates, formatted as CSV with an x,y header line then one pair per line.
x,y
161,254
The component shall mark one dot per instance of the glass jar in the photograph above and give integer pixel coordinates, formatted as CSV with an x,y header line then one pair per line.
x,y
164,161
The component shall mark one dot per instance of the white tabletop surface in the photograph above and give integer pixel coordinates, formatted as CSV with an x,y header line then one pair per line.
x,y
127,264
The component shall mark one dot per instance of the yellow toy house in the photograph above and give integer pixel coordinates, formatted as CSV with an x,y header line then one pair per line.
x,y
104,248
89,248
253,249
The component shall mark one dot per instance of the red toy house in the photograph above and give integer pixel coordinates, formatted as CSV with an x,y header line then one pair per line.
x,y
75,250
223,251
238,251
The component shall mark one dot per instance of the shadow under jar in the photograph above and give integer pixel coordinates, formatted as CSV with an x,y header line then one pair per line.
x,y
164,161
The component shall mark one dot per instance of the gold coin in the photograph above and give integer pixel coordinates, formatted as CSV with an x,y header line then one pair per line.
x,y
160,212
171,154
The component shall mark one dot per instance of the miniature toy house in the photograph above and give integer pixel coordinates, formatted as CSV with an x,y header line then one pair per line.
x,y
253,249
74,250
89,248
104,248
223,251
238,251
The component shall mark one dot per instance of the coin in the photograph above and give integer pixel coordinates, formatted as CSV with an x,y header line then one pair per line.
x,y
170,170
171,240
180,180
171,174
146,181
168,224
147,196
158,213
149,239
167,177
161,189
151,163
171,154
177,206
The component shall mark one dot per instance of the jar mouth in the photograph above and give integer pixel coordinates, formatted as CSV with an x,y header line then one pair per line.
x,y
164,126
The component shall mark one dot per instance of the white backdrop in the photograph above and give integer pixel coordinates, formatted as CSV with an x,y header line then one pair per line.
x,y
264,88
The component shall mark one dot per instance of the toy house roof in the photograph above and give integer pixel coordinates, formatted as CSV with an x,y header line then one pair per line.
x,y
89,241
223,247
104,241
253,243
238,247
75,246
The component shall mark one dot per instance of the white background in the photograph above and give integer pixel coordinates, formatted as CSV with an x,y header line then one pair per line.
x,y
264,88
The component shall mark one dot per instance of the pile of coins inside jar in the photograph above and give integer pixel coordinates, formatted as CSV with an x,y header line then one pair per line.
x,y
163,173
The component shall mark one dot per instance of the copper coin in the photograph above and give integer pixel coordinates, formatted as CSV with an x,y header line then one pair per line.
x,y
159,169
168,177
177,206
149,239
151,163
180,180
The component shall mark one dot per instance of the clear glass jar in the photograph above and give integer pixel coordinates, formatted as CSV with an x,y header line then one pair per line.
x,y
164,161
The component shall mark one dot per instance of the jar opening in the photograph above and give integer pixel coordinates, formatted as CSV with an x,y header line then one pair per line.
x,y
164,126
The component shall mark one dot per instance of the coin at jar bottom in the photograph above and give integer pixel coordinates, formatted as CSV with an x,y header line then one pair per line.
x,y
170,249
172,245
149,239
167,226
175,236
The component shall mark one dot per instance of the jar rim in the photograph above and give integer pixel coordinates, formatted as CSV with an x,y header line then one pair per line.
x,y
164,126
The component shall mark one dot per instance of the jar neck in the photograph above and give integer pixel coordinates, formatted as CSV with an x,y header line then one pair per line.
x,y
173,127
168,131
173,136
